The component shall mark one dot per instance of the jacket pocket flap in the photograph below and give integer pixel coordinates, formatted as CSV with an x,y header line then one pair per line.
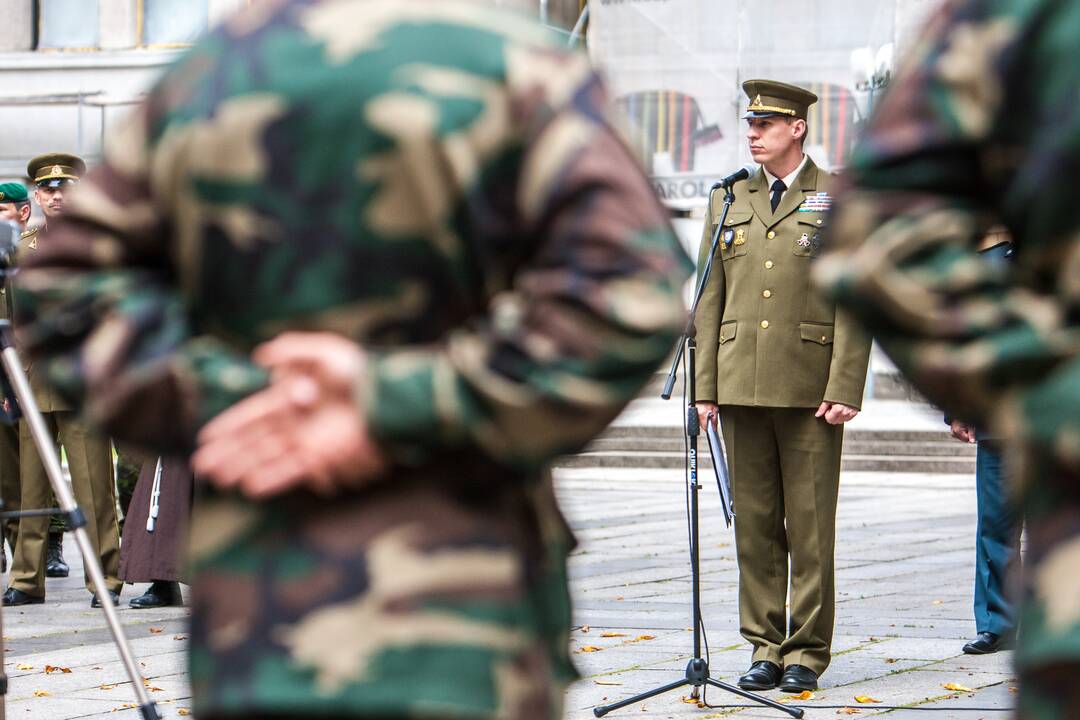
x,y
816,219
727,331
736,218
816,332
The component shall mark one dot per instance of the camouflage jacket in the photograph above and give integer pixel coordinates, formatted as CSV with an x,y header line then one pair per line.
x,y
438,181
982,126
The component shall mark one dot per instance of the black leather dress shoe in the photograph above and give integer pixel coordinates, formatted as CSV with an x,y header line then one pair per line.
x,y
762,675
161,593
13,597
798,678
95,603
988,642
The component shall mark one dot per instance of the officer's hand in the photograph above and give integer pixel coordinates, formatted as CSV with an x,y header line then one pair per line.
x,y
836,413
962,431
704,409
304,430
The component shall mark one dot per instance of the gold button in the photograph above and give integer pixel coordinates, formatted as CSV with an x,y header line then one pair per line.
x,y
823,338
819,221
764,324
767,294
771,235
768,264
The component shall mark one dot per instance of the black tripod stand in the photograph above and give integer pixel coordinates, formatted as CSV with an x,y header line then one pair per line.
x,y
13,378
697,670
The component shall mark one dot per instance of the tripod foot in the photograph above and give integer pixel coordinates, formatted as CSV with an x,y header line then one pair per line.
x,y
602,710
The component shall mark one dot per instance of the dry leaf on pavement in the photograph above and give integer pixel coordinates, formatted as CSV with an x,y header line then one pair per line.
x,y
50,669
865,699
42,693
606,682
957,687
589,648
156,630
24,666
613,634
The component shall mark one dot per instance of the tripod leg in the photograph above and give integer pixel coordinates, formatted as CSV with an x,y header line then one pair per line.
x,y
603,710
792,711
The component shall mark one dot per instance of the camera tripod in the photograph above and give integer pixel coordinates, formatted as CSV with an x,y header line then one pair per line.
x,y
697,670
12,377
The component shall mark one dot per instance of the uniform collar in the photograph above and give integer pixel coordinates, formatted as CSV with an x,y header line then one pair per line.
x,y
789,180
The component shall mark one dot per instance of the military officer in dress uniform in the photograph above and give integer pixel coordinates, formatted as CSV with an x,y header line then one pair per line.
x,y
14,207
89,454
783,372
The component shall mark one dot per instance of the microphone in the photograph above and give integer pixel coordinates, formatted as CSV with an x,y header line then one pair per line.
x,y
741,174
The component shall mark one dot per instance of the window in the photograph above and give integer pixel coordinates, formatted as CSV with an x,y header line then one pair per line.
x,y
171,22
68,24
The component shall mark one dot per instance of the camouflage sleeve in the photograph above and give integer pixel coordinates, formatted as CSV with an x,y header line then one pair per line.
x,y
100,305
587,319
941,156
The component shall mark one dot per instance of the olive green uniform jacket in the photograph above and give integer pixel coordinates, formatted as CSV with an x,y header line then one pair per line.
x,y
765,337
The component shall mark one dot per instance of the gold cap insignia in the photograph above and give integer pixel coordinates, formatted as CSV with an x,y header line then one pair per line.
x,y
1,196
756,101
57,170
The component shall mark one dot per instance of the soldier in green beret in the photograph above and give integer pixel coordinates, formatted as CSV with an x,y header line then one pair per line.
x,y
89,454
783,371
14,207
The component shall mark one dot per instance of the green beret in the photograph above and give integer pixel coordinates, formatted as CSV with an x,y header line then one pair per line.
x,y
12,192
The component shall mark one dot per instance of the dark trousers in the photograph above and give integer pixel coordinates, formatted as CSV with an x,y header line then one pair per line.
x,y
997,544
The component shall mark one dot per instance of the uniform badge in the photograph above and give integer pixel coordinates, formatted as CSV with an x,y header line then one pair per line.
x,y
740,237
728,235
804,241
815,242
33,243
57,170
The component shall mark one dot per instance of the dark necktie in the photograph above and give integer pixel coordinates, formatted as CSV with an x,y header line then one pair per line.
x,y
778,189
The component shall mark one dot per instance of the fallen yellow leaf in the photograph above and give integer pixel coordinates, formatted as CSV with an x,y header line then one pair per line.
x,y
804,695
606,682
890,660
848,711
936,602
24,666
639,638
156,630
183,711
42,693
613,634
590,648
692,701
1013,690
865,699
106,687
179,637
585,628
50,669
957,687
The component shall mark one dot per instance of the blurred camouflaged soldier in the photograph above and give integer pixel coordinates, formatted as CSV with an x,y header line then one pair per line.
x,y
89,454
982,125
477,277
783,371
14,207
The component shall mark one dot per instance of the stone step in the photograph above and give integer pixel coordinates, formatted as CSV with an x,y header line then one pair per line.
x,y
850,462
665,443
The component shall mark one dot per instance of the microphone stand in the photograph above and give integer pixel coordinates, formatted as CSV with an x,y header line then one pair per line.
x,y
697,670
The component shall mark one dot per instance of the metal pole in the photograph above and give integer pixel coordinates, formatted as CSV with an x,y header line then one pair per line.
x,y
579,27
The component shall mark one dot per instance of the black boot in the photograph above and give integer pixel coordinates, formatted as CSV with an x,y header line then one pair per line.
x,y
161,593
55,567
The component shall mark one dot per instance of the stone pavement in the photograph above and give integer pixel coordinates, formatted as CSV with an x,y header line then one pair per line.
x,y
904,560
904,582
66,632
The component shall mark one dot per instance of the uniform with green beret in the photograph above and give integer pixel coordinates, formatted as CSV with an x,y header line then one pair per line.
x,y
89,454
771,350
10,487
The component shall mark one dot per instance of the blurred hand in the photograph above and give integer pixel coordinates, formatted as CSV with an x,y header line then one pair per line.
x,y
703,411
962,431
836,413
304,430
